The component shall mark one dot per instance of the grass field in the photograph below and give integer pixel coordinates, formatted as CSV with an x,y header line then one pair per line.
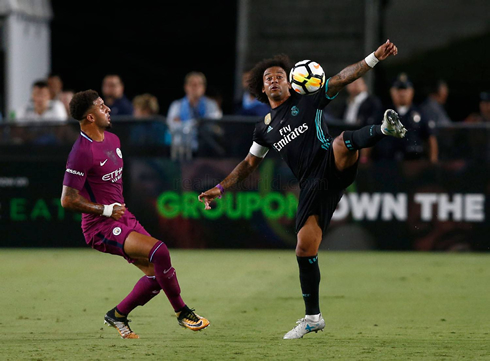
x,y
378,306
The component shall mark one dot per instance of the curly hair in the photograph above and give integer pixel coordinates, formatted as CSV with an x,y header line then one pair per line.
x,y
81,103
255,80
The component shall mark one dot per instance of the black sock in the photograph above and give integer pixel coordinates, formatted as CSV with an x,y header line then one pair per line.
x,y
363,138
309,277
185,308
114,310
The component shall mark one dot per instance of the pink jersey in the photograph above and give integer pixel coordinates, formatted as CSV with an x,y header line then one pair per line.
x,y
95,170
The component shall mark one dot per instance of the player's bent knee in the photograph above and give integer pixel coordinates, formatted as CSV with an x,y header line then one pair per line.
x,y
308,248
139,246
302,251
345,157
343,143
145,266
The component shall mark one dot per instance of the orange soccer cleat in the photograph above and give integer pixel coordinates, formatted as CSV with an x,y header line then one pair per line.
x,y
189,319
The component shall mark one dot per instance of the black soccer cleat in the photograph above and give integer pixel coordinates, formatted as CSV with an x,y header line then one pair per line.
x,y
121,324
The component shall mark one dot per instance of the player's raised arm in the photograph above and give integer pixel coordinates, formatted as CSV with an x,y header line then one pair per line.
x,y
72,200
241,171
357,70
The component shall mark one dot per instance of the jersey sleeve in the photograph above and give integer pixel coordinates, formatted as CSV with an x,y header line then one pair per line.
x,y
77,167
257,138
258,150
321,97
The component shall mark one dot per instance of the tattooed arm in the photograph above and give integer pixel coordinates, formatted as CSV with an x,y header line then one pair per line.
x,y
241,171
357,70
72,200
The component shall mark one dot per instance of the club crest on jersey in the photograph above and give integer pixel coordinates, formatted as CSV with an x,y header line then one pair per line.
x,y
267,119
294,111
116,231
119,153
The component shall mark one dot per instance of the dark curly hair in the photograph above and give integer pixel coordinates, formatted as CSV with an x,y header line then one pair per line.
x,y
81,103
255,80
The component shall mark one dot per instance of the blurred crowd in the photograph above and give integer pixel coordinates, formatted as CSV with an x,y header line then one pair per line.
x,y
180,126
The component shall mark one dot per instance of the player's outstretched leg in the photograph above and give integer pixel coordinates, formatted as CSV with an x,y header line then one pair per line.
x,y
369,135
167,278
139,246
348,143
144,290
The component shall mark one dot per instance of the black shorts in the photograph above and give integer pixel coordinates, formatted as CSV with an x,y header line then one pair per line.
x,y
321,192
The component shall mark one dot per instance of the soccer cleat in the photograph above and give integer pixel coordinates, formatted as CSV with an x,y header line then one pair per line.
x,y
304,326
391,125
121,324
189,319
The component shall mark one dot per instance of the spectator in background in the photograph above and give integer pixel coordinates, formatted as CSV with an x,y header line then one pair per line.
x,y
433,105
145,105
419,142
361,108
113,94
250,105
151,132
65,97
484,115
183,115
41,107
55,86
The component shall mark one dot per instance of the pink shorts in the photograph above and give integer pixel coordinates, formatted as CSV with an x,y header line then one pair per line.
x,y
109,235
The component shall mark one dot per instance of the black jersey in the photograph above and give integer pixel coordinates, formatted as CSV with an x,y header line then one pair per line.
x,y
297,131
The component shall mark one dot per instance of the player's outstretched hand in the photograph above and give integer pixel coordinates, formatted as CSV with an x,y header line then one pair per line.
x,y
118,211
386,50
208,196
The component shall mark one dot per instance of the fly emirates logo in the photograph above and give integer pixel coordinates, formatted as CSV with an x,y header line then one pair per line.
x,y
113,176
289,135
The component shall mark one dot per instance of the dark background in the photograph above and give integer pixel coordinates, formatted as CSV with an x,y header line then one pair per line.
x,y
151,46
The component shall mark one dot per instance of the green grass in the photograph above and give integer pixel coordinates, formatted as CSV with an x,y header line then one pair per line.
x,y
378,306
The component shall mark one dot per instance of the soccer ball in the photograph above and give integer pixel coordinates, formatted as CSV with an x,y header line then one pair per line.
x,y
306,77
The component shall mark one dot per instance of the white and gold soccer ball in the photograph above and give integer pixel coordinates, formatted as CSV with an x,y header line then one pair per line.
x,y
307,77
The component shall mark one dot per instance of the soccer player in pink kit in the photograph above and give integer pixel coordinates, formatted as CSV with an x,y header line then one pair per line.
x,y
93,186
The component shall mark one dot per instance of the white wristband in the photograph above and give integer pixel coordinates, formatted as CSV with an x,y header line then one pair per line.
x,y
371,60
108,209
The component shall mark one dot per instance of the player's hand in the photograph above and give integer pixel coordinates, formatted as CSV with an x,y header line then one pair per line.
x,y
118,211
386,50
208,196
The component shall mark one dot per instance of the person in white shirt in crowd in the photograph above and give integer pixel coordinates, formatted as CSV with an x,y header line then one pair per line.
x,y
361,107
40,107
183,113
55,86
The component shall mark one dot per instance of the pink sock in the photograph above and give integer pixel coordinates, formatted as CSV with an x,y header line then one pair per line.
x,y
165,274
144,290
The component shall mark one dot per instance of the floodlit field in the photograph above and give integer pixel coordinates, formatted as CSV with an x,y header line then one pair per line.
x,y
378,306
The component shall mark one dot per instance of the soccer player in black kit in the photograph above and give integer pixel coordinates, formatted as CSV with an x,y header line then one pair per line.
x,y
323,166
